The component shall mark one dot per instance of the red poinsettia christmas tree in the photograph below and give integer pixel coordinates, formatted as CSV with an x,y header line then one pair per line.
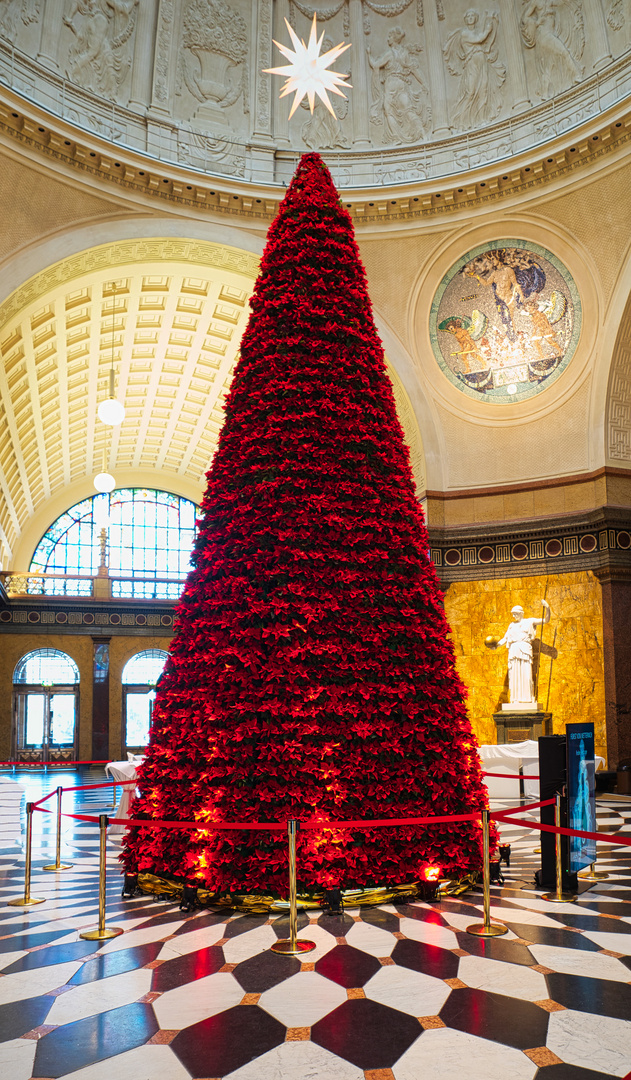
x,y
311,674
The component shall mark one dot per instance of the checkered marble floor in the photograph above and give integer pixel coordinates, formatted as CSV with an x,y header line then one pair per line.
x,y
390,993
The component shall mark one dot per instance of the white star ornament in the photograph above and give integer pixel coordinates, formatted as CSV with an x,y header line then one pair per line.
x,y
307,73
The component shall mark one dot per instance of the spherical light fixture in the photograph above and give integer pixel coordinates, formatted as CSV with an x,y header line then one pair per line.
x,y
104,482
111,412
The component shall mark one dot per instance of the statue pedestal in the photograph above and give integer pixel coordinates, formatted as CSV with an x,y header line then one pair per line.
x,y
520,725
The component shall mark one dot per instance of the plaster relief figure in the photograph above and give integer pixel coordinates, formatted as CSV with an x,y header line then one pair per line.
x,y
518,640
323,131
29,10
400,96
555,30
214,41
471,55
619,16
98,58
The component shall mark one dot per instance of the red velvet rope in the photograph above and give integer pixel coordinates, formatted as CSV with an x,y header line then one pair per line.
x,y
529,806
45,798
108,784
608,838
266,826
512,776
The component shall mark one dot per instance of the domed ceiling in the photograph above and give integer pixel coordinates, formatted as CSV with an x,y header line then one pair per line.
x,y
439,86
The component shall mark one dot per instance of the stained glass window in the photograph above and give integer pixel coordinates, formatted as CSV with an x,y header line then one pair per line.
x,y
149,536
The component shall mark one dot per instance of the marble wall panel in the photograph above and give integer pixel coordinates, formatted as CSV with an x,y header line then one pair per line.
x,y
573,665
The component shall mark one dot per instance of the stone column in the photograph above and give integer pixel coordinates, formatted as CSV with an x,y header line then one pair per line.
x,y
281,105
515,58
164,56
52,23
596,34
144,54
101,699
262,146
616,608
360,77
436,71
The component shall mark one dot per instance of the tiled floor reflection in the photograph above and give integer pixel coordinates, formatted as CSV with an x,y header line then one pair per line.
x,y
392,993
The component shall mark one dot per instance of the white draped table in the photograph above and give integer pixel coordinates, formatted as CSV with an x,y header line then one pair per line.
x,y
122,771
11,795
513,758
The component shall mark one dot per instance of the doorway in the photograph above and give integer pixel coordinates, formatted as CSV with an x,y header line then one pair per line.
x,y
45,707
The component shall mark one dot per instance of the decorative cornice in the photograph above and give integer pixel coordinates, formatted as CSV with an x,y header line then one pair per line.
x,y
599,541
530,485
68,615
40,133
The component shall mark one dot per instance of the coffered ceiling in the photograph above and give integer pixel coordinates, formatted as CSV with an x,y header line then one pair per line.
x,y
171,314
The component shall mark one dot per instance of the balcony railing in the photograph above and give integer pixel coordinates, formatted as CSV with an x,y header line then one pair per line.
x,y
99,588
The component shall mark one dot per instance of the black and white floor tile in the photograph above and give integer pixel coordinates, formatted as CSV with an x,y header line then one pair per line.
x,y
390,993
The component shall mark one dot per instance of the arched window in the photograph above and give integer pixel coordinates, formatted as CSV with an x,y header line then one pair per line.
x,y
140,676
145,667
46,667
144,537
46,690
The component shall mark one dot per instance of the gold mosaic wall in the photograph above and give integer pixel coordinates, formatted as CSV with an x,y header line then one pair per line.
x,y
476,609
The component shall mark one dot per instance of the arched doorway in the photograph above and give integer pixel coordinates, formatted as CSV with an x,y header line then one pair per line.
x,y
45,707
140,676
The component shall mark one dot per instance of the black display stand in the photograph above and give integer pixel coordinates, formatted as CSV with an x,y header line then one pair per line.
x,y
552,779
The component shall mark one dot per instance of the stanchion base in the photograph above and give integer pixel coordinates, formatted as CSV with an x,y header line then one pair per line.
x,y
101,935
482,930
536,851
21,902
292,950
62,866
556,898
596,876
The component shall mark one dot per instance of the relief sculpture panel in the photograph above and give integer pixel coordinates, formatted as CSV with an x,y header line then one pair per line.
x,y
555,31
472,56
400,94
100,50
212,62
27,11
437,88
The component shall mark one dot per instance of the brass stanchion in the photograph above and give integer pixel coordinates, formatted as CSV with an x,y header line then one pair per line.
x,y
293,946
487,928
592,874
102,932
58,865
113,807
27,899
558,897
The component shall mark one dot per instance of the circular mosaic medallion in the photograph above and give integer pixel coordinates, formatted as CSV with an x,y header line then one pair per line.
x,y
505,321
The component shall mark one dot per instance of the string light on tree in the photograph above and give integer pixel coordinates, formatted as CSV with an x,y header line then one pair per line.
x,y
307,73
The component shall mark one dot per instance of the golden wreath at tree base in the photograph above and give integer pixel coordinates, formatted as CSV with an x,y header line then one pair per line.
x,y
259,903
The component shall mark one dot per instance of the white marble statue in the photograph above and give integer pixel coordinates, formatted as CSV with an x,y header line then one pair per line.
x,y
518,640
